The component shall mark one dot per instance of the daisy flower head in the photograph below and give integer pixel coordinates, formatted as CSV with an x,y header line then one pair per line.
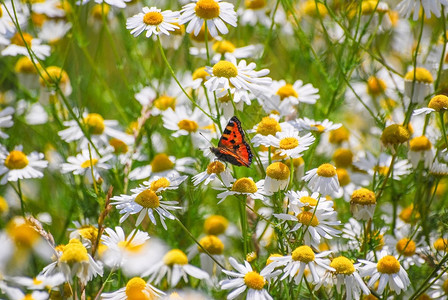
x,y
54,76
175,267
295,93
18,46
388,271
163,165
345,276
154,21
418,83
323,179
244,186
409,249
420,149
406,7
290,143
144,201
438,103
84,162
303,257
374,166
248,279
15,165
185,122
85,232
40,282
277,177
17,294
269,125
136,288
363,204
314,126
353,231
159,184
213,12
216,170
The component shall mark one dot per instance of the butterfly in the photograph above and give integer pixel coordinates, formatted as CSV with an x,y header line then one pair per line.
x,y
232,147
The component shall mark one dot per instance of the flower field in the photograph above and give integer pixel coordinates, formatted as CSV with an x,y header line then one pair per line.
x,y
212,149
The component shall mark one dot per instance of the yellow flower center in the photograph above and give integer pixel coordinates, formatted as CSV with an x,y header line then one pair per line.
x,y
421,75
25,65
74,252
1,12
287,91
207,9
254,4
244,185
320,128
23,234
215,167
343,158
89,163
297,162
200,38
159,183
17,39
268,126
89,232
94,123
343,265
161,162
136,289
363,196
407,216
307,199
253,280
420,143
339,135
278,170
120,147
178,31
175,257
314,9
368,7
153,18
388,265
16,160
326,170
188,125
37,281
288,143
4,207
215,225
382,170
100,10
225,69
395,134
445,287
303,253
375,86
200,73
164,102
269,260
308,219
438,103
441,244
148,199
212,244
38,19
343,176
129,246
53,75
223,47
406,247
388,103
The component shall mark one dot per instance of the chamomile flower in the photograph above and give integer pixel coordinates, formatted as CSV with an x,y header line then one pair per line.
x,y
225,49
163,165
295,93
290,143
53,31
216,170
136,288
244,186
84,162
185,122
175,267
407,246
40,282
438,103
269,125
144,201
248,279
6,120
418,83
277,177
316,126
353,231
323,179
372,165
6,23
160,184
420,149
213,12
17,294
388,271
15,165
406,7
154,21
18,46
363,204
303,257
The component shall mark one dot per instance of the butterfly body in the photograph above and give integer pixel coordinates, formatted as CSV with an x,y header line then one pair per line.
x,y
232,147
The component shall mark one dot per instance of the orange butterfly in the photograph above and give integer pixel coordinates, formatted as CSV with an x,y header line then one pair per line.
x,y
232,147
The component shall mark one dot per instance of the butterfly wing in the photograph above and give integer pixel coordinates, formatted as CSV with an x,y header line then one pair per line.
x,y
232,147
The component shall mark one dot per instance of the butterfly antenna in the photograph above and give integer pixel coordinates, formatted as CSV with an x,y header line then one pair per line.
x,y
206,139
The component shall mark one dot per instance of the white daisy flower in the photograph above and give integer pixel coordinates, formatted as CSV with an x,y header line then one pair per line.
x,y
214,12
241,76
145,96
368,162
185,122
100,131
144,201
244,186
159,184
225,49
6,120
268,126
136,288
53,31
50,8
407,246
323,179
353,231
295,93
418,84
388,271
16,165
163,165
40,282
290,143
17,46
17,294
439,168
406,7
175,267
154,21
317,126
215,170
277,177
438,288
438,103
303,257
6,23
420,149
363,204
248,279
81,164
